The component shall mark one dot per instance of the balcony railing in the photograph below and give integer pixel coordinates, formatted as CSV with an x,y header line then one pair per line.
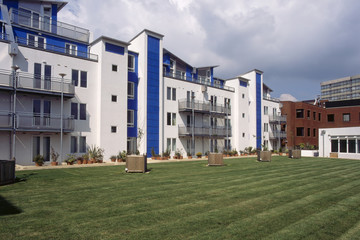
x,y
44,83
277,135
5,119
6,79
204,131
277,119
200,79
206,107
53,48
47,24
4,36
271,99
43,122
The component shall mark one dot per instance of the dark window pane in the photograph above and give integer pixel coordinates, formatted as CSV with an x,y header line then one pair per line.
x,y
113,129
82,111
300,131
168,119
75,77
83,78
331,117
74,110
174,94
299,113
334,145
343,146
352,145
168,93
82,147
73,147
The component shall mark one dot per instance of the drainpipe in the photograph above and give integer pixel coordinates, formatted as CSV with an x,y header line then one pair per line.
x,y
61,115
193,124
14,74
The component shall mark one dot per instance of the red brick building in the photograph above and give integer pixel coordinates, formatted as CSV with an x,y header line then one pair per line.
x,y
304,119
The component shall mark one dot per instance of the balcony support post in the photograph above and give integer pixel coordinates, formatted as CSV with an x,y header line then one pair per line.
x,y
62,115
14,78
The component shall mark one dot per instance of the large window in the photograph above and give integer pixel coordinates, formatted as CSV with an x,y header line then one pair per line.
x,y
266,127
73,144
352,145
171,119
130,118
75,77
299,131
334,145
36,41
83,79
343,147
74,110
131,63
299,113
82,147
82,111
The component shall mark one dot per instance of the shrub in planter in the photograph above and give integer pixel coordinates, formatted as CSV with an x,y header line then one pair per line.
x,y
54,157
79,160
85,158
70,159
199,155
189,155
96,154
39,160
113,158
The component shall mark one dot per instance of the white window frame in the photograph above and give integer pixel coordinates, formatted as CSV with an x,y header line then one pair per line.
x,y
132,120
72,50
36,41
131,59
132,90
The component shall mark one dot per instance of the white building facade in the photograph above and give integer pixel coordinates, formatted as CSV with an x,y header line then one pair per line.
x,y
61,90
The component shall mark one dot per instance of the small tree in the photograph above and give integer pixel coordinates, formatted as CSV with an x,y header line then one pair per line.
x,y
54,155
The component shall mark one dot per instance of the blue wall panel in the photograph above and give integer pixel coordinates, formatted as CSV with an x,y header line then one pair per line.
x,y
114,48
133,103
153,87
54,18
243,83
11,4
258,111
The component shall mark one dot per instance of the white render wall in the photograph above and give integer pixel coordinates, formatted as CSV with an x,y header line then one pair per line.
x,y
340,133
273,143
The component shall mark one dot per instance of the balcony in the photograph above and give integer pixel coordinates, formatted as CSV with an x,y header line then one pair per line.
x,y
205,131
6,79
47,24
277,119
277,135
266,97
200,80
42,45
43,122
203,107
5,120
44,85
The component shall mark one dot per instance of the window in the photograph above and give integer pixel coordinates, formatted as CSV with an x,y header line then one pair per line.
x,y
243,95
168,119
330,118
299,131
83,79
113,98
168,93
343,147
73,144
352,145
314,132
314,116
36,41
308,114
299,113
173,144
114,68
82,147
334,145
243,135
130,118
266,109
131,63
243,115
131,90
113,129
266,127
70,49
308,132
75,77
168,144
346,117
74,110
172,67
174,94
319,116
82,111
173,122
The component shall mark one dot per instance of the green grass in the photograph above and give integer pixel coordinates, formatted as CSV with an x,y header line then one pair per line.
x,y
310,198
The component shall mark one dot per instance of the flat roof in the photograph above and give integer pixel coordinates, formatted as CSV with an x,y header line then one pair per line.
x,y
116,41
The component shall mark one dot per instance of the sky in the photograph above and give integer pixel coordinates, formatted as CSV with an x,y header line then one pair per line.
x,y
297,44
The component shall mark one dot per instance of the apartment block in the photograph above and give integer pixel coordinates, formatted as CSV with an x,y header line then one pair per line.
x,y
61,89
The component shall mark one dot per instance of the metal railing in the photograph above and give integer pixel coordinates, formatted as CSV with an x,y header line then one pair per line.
x,y
44,83
277,134
204,131
47,24
271,99
274,118
185,105
43,122
200,79
6,119
4,36
54,48
6,78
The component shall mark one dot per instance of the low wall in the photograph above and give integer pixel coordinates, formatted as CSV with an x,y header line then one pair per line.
x,y
215,159
309,153
136,163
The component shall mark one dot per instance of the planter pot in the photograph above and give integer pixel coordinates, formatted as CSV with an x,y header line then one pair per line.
x,y
69,163
54,163
136,163
113,160
181,157
189,157
85,161
216,159
264,156
153,158
38,165
199,156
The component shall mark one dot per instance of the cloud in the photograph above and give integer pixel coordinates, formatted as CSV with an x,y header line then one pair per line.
x,y
297,44
287,97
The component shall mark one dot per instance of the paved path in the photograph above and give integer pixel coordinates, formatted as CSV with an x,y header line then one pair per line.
x,y
149,161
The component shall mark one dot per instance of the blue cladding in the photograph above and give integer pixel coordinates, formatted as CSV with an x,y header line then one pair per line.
x,y
153,87
114,48
54,18
243,83
133,103
189,70
11,4
258,111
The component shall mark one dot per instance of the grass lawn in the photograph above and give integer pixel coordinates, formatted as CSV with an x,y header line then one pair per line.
x,y
310,198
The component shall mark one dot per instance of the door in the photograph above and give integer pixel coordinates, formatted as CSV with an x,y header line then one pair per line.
x,y
46,148
47,83
36,146
37,75
46,113
36,112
